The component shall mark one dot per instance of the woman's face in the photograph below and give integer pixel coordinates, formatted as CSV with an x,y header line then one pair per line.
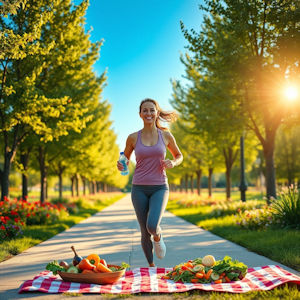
x,y
148,112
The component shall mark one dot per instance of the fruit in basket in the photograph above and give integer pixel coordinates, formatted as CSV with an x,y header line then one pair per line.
x,y
208,261
94,259
64,264
72,269
102,268
77,258
86,265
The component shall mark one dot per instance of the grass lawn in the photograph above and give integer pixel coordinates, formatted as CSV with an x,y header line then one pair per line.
x,y
282,245
35,234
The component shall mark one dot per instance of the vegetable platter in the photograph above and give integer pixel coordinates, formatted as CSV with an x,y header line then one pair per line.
x,y
208,270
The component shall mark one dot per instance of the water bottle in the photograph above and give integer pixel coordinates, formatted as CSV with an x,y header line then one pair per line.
x,y
123,160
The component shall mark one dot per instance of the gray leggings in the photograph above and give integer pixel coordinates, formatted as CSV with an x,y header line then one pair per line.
x,y
149,202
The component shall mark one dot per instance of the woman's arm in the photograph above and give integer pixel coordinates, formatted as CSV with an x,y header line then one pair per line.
x,y
130,143
172,146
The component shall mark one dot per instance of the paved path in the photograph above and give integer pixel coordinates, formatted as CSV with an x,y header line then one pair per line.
x,y
114,234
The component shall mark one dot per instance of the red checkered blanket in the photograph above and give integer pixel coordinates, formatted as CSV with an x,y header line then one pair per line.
x,y
148,280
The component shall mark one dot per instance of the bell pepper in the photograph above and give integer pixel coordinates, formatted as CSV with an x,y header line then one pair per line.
x,y
94,259
101,268
86,265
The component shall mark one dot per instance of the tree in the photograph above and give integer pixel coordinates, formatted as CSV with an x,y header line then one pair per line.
x,y
259,42
21,101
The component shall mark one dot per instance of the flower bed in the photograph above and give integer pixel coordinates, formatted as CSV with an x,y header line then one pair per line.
x,y
17,213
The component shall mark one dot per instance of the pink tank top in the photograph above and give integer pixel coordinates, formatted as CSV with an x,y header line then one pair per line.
x,y
148,170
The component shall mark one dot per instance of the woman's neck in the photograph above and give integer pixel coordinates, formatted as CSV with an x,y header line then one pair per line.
x,y
149,128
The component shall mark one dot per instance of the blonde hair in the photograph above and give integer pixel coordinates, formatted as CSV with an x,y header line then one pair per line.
x,y
165,116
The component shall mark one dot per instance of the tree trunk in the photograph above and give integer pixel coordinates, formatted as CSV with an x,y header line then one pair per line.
x,y
5,174
46,188
94,186
230,157
228,183
77,184
199,175
73,186
60,184
24,157
84,184
43,173
210,172
270,169
192,183
186,182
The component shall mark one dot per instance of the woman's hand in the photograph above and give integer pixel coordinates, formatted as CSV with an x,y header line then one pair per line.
x,y
120,165
167,164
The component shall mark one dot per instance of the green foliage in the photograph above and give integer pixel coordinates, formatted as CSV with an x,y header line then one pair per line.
x,y
286,208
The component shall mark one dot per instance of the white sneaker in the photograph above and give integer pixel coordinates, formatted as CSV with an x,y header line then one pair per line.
x,y
160,248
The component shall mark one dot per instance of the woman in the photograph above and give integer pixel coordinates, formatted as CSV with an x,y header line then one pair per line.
x,y
150,188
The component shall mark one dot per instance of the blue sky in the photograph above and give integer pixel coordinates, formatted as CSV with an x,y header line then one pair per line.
x,y
141,51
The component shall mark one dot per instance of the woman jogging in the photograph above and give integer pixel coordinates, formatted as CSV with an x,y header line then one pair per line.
x,y
150,190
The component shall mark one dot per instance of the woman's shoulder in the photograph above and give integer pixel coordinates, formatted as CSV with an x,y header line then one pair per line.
x,y
132,138
167,136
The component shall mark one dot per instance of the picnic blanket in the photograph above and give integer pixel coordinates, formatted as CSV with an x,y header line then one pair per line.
x,y
148,280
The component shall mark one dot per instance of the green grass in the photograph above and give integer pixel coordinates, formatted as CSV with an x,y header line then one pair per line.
x,y
33,235
282,245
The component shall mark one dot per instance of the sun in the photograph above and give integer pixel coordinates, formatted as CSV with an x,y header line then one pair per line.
x,y
291,93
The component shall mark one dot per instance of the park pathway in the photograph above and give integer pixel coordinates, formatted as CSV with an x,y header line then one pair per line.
x,y
114,234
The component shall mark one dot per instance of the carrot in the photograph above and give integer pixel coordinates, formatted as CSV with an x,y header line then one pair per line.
x,y
194,280
189,264
102,268
207,275
174,274
166,277
227,279
218,281
199,275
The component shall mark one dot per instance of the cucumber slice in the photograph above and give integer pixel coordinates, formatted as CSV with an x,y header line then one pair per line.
x,y
214,276
198,268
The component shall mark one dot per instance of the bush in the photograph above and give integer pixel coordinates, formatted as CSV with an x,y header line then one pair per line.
x,y
257,219
231,208
286,208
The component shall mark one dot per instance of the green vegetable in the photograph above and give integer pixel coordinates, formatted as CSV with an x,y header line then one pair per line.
x,y
232,267
54,267
124,265
73,269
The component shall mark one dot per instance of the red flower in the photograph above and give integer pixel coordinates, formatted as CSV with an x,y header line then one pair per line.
x,y
28,215
47,215
2,227
16,220
13,213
